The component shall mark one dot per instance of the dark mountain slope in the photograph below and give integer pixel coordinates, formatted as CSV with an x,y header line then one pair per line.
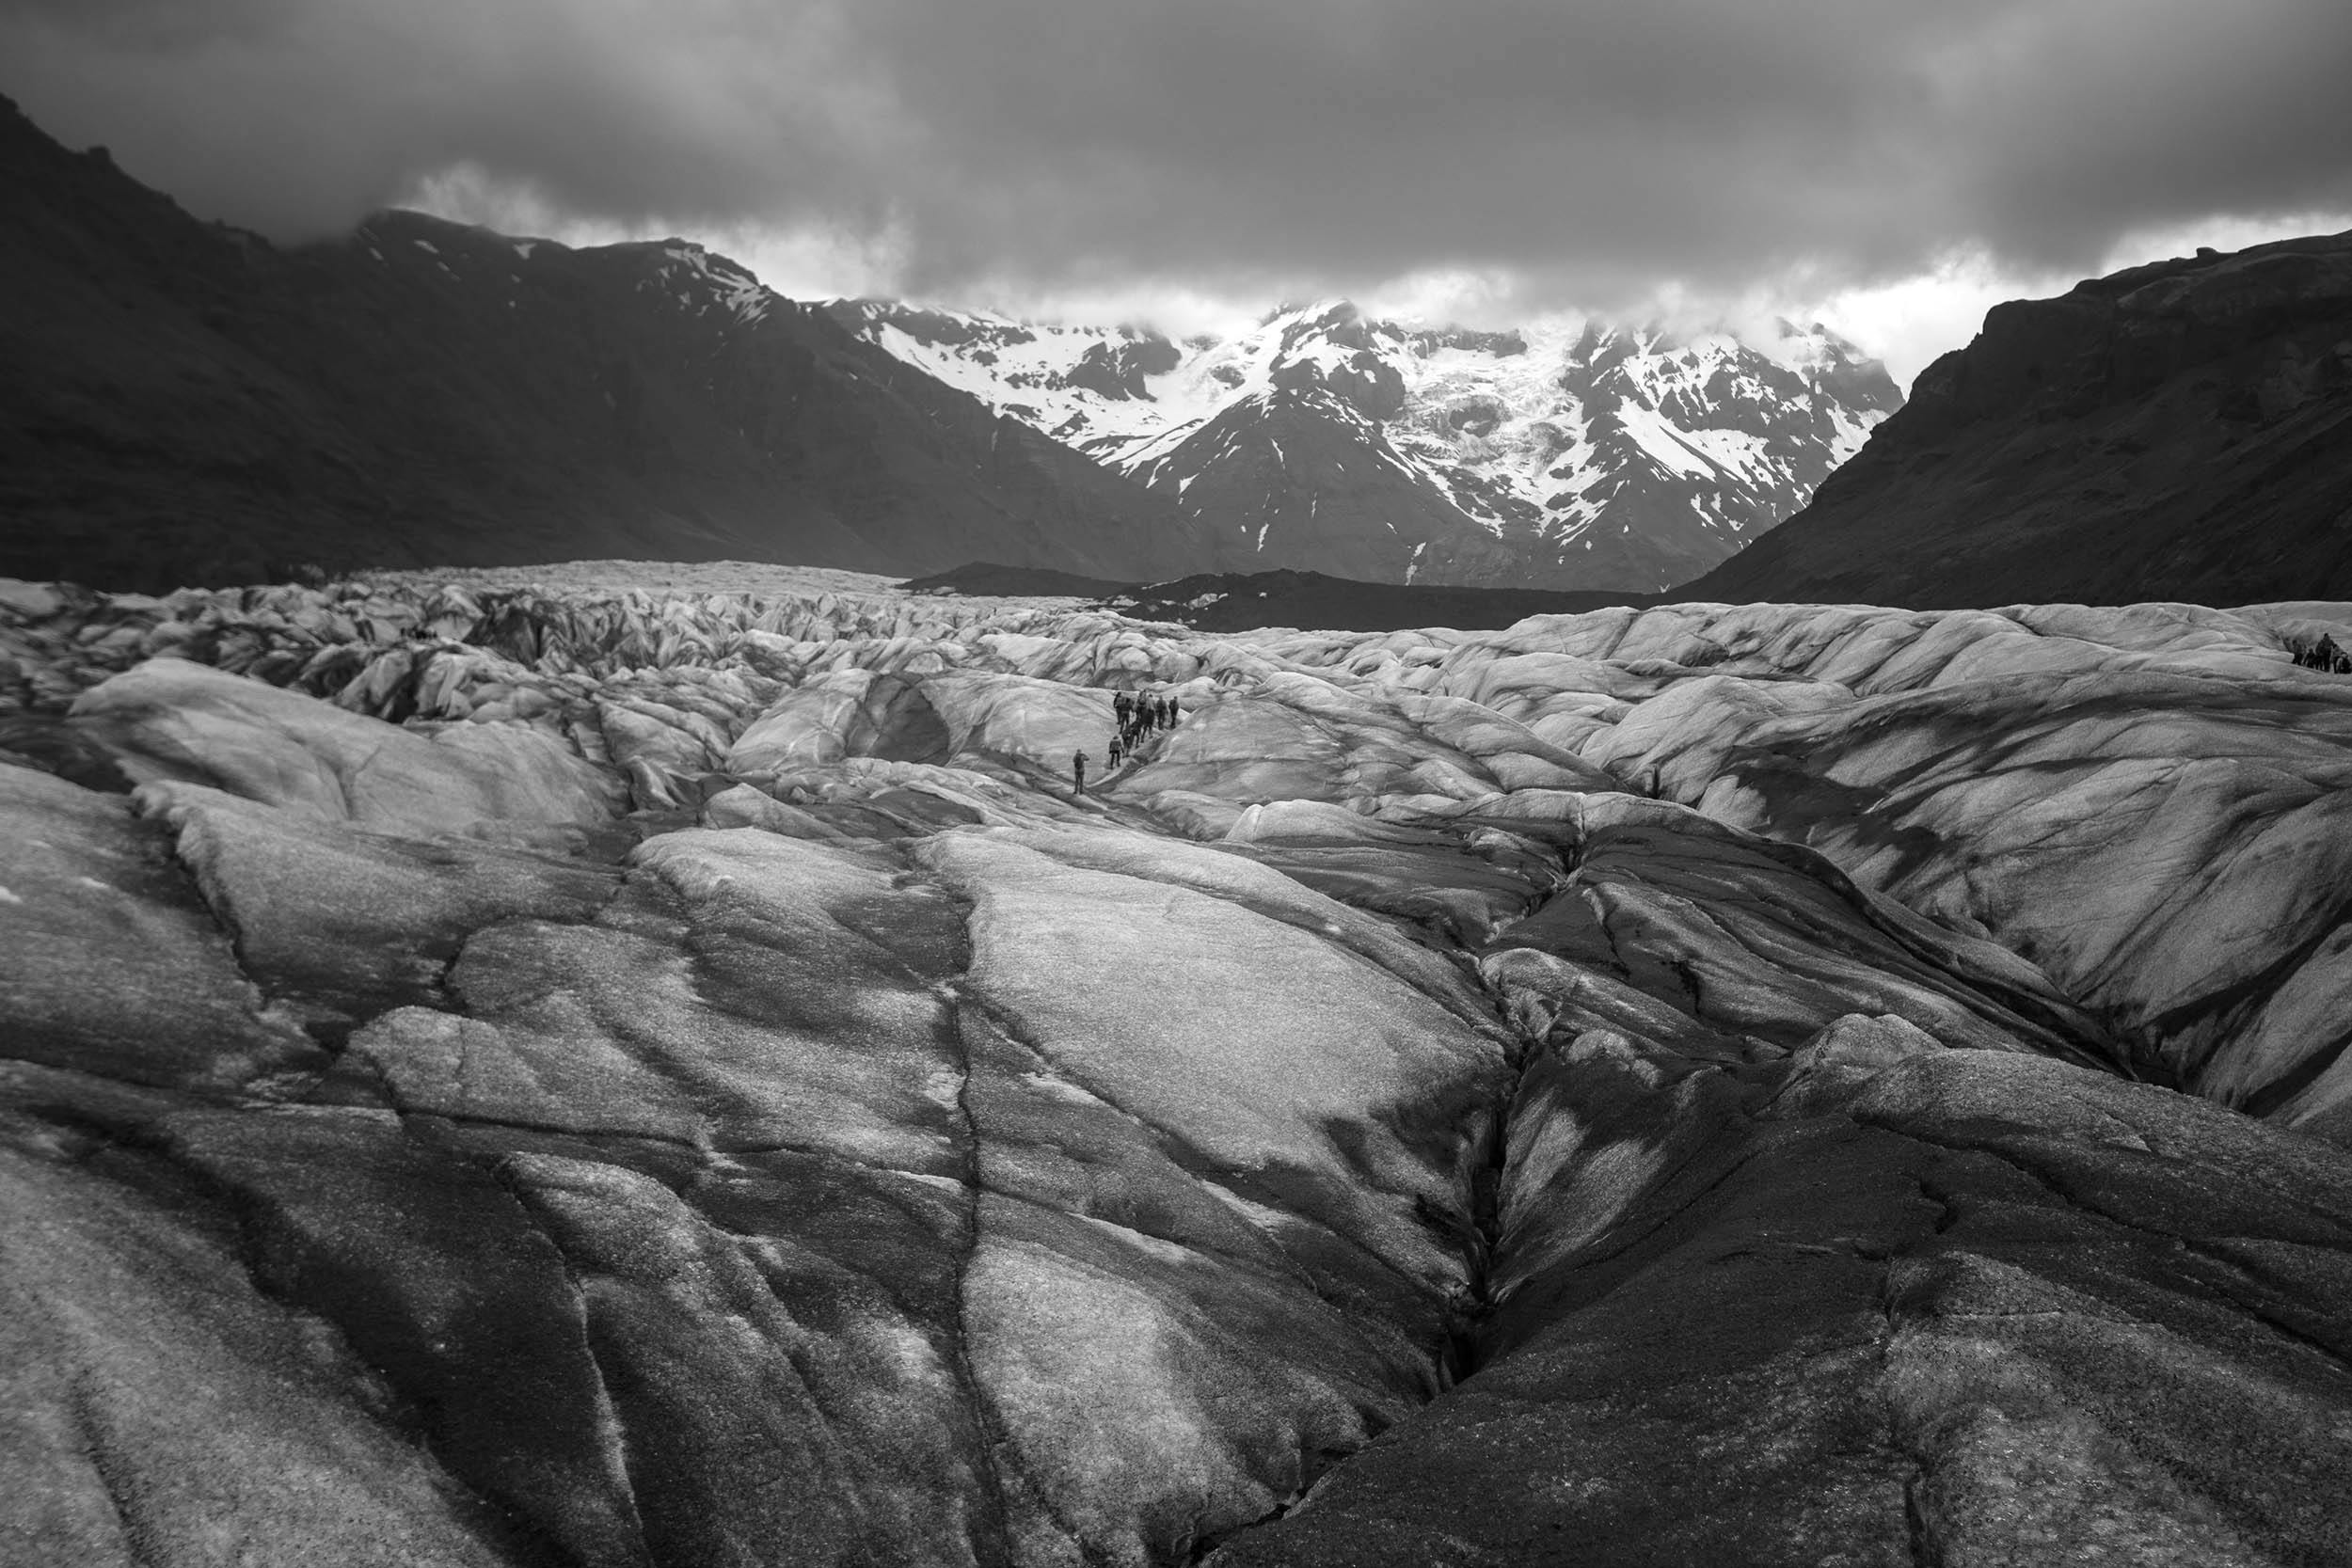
x,y
1311,601
985,578
2179,431
183,401
1247,601
1304,474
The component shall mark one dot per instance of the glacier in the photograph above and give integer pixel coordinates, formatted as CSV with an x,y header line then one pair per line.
x,y
571,1067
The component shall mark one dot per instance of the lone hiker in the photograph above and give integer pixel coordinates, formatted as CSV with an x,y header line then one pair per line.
x,y
1078,770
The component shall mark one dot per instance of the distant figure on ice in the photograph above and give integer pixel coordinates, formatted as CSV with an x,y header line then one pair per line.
x,y
1124,706
1078,771
1116,752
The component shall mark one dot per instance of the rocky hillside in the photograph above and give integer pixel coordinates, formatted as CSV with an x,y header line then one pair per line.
x,y
2180,430
1569,453
185,402
517,1076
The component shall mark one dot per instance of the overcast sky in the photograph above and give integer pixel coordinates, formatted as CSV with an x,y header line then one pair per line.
x,y
1892,166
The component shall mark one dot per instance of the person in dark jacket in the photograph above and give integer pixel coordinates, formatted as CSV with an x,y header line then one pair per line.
x,y
1078,771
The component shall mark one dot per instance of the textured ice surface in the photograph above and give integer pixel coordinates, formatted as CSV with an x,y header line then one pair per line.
x,y
1710,1083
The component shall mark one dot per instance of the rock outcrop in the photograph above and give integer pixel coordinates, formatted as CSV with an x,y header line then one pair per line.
x,y
2179,431
497,1075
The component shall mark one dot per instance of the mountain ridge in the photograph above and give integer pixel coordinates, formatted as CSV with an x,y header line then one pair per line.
x,y
1566,452
190,403
2179,431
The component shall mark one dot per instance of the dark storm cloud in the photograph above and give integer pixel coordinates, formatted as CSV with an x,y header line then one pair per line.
x,y
1319,143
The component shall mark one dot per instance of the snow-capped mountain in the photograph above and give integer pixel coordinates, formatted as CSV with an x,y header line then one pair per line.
x,y
1569,452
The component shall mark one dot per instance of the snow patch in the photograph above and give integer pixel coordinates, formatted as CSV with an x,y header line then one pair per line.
x,y
1663,442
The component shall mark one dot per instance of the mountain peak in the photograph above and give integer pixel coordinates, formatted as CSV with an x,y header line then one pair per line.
x,y
1566,451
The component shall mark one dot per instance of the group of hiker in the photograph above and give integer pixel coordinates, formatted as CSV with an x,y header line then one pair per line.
x,y
2322,654
1138,715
